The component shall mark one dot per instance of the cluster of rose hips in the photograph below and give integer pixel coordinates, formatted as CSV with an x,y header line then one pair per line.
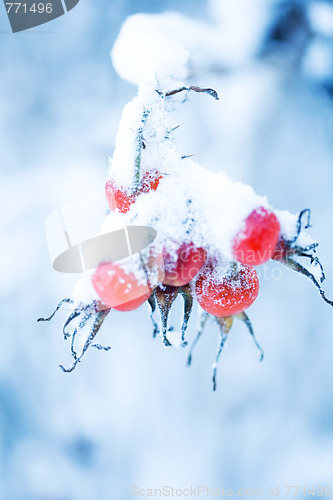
x,y
224,288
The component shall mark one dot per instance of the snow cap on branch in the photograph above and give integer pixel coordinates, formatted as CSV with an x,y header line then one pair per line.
x,y
144,53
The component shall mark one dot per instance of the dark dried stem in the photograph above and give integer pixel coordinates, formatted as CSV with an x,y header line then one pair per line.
x,y
225,324
165,296
102,347
98,321
307,213
139,146
63,301
203,321
244,317
72,316
152,303
208,91
188,304
296,266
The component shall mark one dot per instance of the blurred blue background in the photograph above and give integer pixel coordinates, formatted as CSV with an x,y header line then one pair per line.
x,y
136,415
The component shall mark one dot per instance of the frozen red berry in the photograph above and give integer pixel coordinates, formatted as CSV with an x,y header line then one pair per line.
x,y
120,199
119,289
255,243
183,265
225,292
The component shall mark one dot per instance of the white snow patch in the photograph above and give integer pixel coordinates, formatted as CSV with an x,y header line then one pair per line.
x,y
83,293
144,51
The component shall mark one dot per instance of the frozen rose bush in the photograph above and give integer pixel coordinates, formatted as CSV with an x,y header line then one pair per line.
x,y
211,231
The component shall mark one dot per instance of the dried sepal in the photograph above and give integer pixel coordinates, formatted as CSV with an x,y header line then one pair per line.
x,y
63,301
287,251
165,296
244,317
188,304
204,317
70,318
225,325
304,214
152,304
296,266
98,321
96,310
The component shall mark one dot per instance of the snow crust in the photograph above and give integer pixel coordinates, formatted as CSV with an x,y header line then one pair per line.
x,y
160,48
146,51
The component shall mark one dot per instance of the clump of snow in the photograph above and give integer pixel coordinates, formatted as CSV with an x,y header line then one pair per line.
x,y
288,223
161,48
145,53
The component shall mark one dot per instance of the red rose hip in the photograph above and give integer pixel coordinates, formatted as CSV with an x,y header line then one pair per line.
x,y
119,289
255,243
182,267
225,293
120,199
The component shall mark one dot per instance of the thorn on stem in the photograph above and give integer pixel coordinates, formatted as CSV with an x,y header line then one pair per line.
x,y
101,347
189,156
